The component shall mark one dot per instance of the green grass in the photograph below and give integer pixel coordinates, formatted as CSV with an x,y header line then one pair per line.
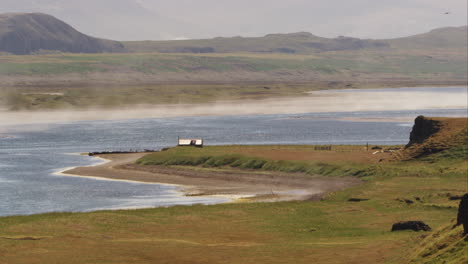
x,y
157,63
231,156
445,245
337,63
332,230
286,232
253,163
47,68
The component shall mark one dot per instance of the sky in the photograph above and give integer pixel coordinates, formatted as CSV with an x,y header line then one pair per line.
x,y
181,19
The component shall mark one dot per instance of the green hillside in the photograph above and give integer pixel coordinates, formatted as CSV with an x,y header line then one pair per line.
x,y
455,38
301,43
306,43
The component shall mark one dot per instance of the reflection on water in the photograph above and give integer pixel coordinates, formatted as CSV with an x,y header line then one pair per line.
x,y
29,159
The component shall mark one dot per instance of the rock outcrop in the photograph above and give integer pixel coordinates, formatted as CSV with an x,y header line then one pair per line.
x,y
462,217
22,33
411,225
357,199
423,128
434,135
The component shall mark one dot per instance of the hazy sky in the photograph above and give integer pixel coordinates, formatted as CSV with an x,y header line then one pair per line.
x,y
171,19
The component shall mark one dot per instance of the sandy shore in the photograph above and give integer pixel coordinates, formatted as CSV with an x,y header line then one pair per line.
x,y
257,186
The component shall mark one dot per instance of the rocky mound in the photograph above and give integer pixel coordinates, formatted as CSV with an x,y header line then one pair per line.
x,y
411,225
433,135
27,33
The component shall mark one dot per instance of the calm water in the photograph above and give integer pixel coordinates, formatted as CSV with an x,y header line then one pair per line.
x,y
29,158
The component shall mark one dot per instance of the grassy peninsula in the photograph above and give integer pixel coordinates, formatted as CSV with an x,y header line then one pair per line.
x,y
420,182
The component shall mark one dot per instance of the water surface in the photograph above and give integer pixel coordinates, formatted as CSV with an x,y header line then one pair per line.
x,y
31,154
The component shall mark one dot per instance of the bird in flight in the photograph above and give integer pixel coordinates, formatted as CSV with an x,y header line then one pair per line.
x,y
447,13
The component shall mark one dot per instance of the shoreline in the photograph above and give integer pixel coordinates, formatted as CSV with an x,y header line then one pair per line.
x,y
66,172
236,185
179,188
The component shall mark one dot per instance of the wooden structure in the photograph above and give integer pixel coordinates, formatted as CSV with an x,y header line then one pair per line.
x,y
326,148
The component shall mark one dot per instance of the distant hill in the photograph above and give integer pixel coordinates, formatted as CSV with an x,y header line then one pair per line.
x,y
22,33
26,33
305,43
441,38
301,42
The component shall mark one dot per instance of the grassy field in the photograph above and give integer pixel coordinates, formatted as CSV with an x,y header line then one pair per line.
x,y
332,230
341,161
153,63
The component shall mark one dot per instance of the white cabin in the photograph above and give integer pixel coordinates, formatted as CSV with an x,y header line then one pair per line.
x,y
190,142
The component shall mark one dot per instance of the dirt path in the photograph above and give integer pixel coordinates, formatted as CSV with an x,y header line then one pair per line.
x,y
258,186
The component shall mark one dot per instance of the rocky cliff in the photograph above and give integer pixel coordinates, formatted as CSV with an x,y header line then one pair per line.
x,y
433,135
22,33
423,128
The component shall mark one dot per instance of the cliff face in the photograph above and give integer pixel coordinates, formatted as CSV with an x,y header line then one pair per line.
x,y
423,128
433,135
26,33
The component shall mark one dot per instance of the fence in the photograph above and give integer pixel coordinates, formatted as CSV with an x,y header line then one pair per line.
x,y
345,148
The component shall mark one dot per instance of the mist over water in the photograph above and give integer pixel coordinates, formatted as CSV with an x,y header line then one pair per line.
x,y
30,154
391,99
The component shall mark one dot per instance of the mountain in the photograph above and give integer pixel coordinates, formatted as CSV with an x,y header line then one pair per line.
x,y
306,43
111,19
22,33
182,19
